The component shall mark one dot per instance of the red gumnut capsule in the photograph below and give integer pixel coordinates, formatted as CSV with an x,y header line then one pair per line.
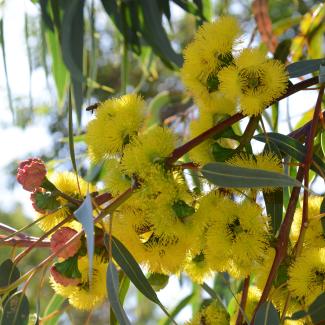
x,y
60,238
61,279
31,174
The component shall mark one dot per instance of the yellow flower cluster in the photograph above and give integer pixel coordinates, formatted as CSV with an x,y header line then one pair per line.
x,y
214,313
213,70
88,294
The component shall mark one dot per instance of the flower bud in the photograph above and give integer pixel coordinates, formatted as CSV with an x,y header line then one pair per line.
x,y
61,279
60,238
31,174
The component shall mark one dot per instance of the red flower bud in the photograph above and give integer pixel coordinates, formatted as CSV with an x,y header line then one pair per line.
x,y
59,239
31,174
61,279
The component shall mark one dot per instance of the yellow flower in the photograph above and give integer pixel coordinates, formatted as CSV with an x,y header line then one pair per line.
x,y
266,161
263,268
314,236
253,298
66,182
279,296
114,179
213,314
205,152
90,294
307,275
147,151
197,268
236,237
255,80
116,122
205,56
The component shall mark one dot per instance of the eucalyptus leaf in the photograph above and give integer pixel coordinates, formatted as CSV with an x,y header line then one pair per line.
x,y
267,315
54,305
228,176
274,208
317,309
9,273
293,148
84,214
16,310
112,284
303,67
132,269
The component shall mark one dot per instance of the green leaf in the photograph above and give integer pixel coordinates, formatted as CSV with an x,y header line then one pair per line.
x,y
220,153
267,315
180,306
69,267
59,70
47,19
283,50
317,309
274,208
84,214
9,273
224,175
293,148
155,34
161,100
112,284
322,210
46,201
3,50
16,310
322,141
54,305
303,67
298,315
132,269
71,137
322,72
72,33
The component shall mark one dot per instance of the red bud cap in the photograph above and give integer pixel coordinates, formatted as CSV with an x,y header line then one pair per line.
x,y
60,238
61,279
31,174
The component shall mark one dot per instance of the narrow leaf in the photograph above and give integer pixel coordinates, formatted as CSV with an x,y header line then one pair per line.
x,y
72,47
9,273
180,306
317,309
155,34
132,269
112,284
303,67
71,137
267,315
84,214
16,310
322,71
293,148
274,208
224,175
54,305
3,49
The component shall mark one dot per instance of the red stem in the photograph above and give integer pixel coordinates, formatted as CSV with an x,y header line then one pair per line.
x,y
243,301
282,243
24,242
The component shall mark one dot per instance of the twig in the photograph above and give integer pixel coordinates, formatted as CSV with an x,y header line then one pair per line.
x,y
282,242
243,301
24,242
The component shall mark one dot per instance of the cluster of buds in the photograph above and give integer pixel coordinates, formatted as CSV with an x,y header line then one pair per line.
x,y
31,174
66,273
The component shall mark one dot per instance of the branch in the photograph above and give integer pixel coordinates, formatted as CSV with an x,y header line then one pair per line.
x,y
24,242
282,243
243,301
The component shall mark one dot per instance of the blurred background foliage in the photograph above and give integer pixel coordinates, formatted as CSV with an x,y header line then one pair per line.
x,y
107,48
